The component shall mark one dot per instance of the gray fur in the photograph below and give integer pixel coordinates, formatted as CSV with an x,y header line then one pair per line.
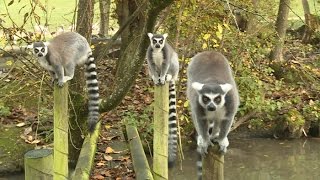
x,y
162,61
164,66
214,100
62,54
60,57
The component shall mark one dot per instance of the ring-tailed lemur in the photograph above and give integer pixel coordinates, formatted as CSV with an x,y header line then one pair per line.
x,y
214,100
60,57
164,66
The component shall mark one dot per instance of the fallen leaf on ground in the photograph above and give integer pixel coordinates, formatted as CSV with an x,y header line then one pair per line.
x,y
109,150
108,158
100,164
111,137
106,173
21,124
98,176
27,130
36,141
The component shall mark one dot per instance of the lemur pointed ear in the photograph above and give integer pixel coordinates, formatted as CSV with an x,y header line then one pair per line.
x,y
150,35
226,87
46,43
197,86
29,46
165,35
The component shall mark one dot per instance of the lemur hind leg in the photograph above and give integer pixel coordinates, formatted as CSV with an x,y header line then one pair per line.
x,y
69,72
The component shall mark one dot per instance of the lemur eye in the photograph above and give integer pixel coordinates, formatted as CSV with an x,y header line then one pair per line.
x,y
154,41
42,49
161,41
205,99
217,99
36,50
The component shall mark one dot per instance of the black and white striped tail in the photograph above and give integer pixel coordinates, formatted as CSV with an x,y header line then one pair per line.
x,y
199,163
173,137
93,93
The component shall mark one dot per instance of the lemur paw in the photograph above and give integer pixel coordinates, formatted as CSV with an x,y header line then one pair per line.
x,y
168,77
60,83
162,80
66,78
203,145
224,143
155,80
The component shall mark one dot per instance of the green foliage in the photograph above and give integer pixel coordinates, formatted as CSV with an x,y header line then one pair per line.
x,y
294,118
208,25
4,110
311,110
143,121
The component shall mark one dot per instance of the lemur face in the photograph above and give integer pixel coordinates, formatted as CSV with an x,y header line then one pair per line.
x,y
211,97
40,49
157,40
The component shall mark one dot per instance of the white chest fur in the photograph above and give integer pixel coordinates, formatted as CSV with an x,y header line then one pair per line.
x,y
44,63
157,58
217,115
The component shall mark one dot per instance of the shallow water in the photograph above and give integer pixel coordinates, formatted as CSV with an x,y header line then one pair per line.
x,y
261,159
255,159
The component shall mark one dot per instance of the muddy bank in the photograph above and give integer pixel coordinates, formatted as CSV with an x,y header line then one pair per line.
x,y
12,150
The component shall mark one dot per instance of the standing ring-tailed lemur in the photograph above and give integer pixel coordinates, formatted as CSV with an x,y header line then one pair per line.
x,y
164,66
60,57
214,100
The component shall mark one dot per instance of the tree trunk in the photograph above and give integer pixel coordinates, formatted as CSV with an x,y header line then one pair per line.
x,y
252,20
281,26
134,50
307,20
104,6
78,106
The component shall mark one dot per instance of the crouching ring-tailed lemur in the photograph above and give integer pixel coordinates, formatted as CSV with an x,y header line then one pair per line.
x,y
60,56
163,66
214,100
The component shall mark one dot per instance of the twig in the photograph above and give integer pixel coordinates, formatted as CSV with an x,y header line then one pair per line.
x,y
234,17
244,9
39,101
243,119
294,12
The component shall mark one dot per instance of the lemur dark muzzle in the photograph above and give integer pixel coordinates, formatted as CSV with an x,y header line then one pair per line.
x,y
157,46
211,107
40,54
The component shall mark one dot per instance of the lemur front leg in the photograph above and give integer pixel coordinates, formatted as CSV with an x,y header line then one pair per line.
x,y
202,127
164,71
222,139
53,77
153,73
59,72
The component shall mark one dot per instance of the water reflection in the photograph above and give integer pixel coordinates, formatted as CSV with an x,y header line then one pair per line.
x,y
261,159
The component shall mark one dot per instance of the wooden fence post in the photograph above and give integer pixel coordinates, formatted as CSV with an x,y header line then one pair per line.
x,y
213,164
160,134
61,126
38,164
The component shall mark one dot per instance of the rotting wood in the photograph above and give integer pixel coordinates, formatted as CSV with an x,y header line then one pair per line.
x,y
139,159
86,157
